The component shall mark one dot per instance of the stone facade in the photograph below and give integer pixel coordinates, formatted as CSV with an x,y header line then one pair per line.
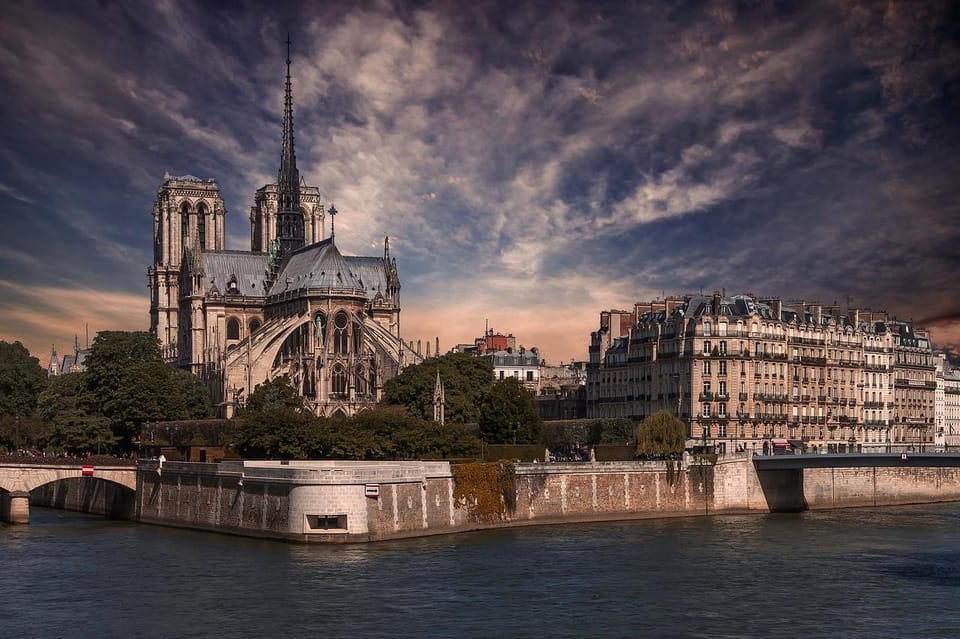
x,y
751,374
293,305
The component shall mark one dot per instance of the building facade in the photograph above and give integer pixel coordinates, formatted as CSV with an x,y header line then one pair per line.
x,y
293,305
758,374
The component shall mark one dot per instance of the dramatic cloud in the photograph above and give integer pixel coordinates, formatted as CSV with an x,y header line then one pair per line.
x,y
532,163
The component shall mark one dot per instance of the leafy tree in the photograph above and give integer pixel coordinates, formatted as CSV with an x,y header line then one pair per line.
x,y
76,424
113,353
273,425
661,434
275,393
131,384
509,415
275,432
465,381
21,380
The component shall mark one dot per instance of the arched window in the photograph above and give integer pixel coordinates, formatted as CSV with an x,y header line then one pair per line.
x,y
339,380
202,226
357,337
184,223
254,325
361,381
320,328
340,332
233,328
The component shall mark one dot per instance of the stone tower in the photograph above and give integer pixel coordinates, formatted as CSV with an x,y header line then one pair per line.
x,y
188,214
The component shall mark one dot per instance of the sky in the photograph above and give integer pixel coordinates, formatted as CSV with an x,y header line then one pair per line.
x,y
533,163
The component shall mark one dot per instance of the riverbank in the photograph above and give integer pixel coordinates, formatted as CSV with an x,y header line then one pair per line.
x,y
343,501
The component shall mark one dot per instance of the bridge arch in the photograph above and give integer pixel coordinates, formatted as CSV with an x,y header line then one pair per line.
x,y
110,491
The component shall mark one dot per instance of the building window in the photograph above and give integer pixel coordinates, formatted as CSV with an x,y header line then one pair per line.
x,y
501,374
707,329
202,226
706,410
722,410
706,367
723,346
340,332
233,328
723,367
339,380
706,388
254,325
706,347
529,376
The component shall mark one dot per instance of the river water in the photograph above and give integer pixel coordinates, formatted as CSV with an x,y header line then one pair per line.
x,y
891,572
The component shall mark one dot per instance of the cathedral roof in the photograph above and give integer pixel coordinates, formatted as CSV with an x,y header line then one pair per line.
x,y
321,265
220,267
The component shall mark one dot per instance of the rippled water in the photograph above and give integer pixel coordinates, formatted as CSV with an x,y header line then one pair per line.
x,y
855,573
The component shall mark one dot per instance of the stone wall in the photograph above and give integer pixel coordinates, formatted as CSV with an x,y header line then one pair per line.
x,y
365,501
86,495
879,486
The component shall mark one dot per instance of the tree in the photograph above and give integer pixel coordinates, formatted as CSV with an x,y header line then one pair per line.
x,y
509,415
277,392
273,425
21,380
131,385
661,434
76,425
465,381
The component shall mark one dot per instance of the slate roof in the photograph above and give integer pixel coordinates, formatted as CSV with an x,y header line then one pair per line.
x,y
321,265
248,268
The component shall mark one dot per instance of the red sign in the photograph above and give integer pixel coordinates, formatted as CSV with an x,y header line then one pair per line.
x,y
86,471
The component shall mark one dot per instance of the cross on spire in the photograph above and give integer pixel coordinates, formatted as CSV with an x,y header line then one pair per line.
x,y
333,213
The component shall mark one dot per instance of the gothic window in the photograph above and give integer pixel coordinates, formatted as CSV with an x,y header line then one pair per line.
x,y
340,332
202,226
339,380
254,326
233,328
184,222
373,378
357,337
361,381
320,328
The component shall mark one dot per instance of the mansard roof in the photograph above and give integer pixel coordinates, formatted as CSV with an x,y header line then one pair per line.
x,y
247,267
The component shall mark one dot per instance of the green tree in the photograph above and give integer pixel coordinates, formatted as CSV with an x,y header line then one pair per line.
x,y
21,380
75,423
275,432
131,384
509,415
273,425
661,434
277,392
465,381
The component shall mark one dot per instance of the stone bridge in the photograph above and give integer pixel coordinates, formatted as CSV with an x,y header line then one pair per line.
x,y
792,483
17,481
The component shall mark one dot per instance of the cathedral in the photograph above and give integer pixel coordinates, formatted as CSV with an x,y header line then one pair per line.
x,y
293,305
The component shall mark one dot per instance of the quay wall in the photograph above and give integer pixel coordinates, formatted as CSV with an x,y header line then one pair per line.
x,y
334,501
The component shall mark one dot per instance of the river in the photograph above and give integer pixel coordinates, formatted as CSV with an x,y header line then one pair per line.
x,y
892,572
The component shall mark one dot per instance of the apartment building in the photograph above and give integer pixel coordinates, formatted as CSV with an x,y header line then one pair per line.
x,y
749,373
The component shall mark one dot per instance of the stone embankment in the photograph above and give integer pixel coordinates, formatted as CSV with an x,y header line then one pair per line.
x,y
340,501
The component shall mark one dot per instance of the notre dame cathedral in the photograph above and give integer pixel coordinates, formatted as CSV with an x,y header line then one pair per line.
x,y
293,305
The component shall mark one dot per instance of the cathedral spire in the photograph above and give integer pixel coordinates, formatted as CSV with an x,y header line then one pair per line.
x,y
289,215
